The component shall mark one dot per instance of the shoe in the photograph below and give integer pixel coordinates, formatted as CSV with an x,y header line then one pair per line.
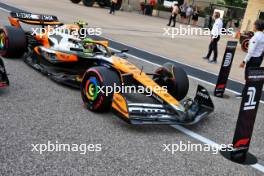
x,y
173,26
168,24
212,61
205,57
238,96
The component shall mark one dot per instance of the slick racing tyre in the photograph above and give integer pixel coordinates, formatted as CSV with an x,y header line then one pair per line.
x,y
88,3
13,42
174,78
76,1
245,44
96,81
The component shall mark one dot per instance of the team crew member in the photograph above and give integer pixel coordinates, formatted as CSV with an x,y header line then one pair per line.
x,y
215,37
174,13
113,6
255,53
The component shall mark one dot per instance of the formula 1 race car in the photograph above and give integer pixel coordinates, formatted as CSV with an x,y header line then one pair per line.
x,y
4,82
244,40
91,66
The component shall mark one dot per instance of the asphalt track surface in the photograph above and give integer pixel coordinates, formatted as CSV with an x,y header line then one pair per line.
x,y
35,109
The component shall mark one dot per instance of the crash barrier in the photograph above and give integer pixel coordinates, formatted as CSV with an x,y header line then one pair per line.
x,y
225,68
248,110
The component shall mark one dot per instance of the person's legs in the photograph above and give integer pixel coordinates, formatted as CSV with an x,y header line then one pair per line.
x,y
111,8
209,50
170,20
215,48
114,4
174,21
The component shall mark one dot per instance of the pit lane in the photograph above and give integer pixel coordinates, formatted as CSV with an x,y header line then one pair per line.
x,y
35,109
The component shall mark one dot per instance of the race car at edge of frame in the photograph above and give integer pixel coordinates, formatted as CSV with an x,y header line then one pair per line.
x,y
88,64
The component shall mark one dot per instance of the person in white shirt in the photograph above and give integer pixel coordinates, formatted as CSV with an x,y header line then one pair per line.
x,y
255,53
254,56
174,13
215,37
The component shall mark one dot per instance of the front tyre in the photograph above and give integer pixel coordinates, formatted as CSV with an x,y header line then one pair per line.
x,y
95,88
174,78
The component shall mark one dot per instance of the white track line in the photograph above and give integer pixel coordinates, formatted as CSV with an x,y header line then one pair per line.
x,y
4,10
190,133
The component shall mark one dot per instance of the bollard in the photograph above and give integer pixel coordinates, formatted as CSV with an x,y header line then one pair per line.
x,y
246,118
225,68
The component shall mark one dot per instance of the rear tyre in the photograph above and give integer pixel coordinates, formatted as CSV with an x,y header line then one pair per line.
x,y
244,45
75,1
96,81
88,3
13,42
174,78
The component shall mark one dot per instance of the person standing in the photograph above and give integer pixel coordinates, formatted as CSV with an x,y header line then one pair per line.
x,y
195,16
255,53
189,13
174,13
183,8
215,37
152,4
113,6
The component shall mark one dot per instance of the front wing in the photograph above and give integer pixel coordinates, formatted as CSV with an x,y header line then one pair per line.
x,y
162,114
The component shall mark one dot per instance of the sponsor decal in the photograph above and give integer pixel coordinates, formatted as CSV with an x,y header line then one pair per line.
x,y
228,59
251,103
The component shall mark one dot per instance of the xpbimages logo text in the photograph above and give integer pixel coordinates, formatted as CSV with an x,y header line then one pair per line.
x,y
49,146
126,89
194,31
192,147
73,31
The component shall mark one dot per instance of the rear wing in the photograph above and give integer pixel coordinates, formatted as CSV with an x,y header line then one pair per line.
x,y
32,19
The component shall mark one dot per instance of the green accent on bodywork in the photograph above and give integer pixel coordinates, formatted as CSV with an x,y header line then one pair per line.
x,y
81,23
87,50
88,40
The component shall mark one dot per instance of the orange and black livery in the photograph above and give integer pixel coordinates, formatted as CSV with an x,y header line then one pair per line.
x,y
92,67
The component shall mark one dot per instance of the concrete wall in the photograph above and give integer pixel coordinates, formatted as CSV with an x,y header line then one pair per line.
x,y
254,7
